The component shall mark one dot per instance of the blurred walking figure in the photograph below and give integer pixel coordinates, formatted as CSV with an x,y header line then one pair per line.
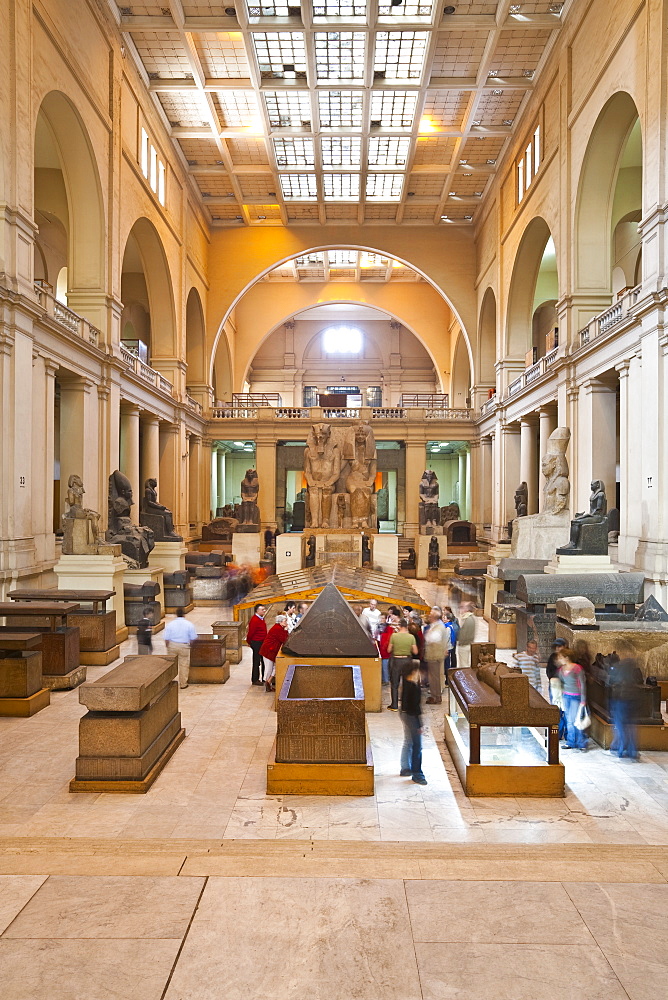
x,y
144,634
574,685
624,679
436,645
465,636
411,717
179,634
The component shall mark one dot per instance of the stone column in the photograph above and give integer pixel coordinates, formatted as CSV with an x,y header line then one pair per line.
x,y
204,500
44,376
415,466
475,477
625,497
150,449
597,440
528,462
214,486
486,479
220,497
463,499
510,470
79,450
129,453
169,474
265,464
195,455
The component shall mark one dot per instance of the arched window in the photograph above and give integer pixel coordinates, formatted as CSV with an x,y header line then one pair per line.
x,y
342,340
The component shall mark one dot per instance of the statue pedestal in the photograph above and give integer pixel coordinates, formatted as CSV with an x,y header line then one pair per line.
x,y
151,574
493,584
337,546
246,549
104,572
385,553
168,556
538,536
580,564
289,552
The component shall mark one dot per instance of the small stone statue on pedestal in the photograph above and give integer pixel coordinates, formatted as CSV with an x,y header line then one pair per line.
x,y
156,516
589,532
522,500
433,554
554,466
80,525
136,543
366,550
250,512
309,559
428,511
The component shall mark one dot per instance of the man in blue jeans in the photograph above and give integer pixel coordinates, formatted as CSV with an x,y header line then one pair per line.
x,y
411,716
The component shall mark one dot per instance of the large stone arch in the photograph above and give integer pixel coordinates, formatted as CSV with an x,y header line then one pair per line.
x,y
461,374
86,231
240,258
523,286
486,366
592,230
195,339
159,288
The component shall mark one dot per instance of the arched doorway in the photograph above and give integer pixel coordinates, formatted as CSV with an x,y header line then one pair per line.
x,y
534,290
148,327
486,366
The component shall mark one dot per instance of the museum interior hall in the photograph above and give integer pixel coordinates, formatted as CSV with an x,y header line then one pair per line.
x,y
334,503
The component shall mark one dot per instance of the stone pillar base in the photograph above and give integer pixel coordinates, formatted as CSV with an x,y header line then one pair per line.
x,y
103,572
168,556
581,564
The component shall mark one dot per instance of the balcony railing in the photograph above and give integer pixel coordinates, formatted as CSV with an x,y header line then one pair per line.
x,y
246,399
233,413
427,400
66,318
194,405
145,372
531,374
488,405
605,321
388,413
292,412
285,413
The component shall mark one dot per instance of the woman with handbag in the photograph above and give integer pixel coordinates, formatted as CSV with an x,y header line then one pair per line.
x,y
574,695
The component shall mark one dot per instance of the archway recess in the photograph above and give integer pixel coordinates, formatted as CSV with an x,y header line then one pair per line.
x,y
146,283
598,191
536,247
485,368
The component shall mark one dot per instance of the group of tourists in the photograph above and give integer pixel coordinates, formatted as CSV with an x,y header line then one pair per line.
x,y
266,643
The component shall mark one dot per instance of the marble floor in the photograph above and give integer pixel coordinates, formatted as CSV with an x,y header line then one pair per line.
x,y
214,786
205,888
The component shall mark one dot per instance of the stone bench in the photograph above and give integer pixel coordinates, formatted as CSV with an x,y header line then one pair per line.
x,y
132,727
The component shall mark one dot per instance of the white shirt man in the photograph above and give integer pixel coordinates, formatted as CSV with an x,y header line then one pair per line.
x,y
436,646
178,635
370,617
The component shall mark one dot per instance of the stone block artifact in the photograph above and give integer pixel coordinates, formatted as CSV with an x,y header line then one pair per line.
x,y
589,532
554,466
156,516
428,510
136,542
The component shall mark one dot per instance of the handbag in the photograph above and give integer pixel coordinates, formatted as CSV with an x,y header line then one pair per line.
x,y
583,718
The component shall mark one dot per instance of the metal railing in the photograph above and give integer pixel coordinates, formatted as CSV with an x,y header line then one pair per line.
x,y
66,318
427,400
611,317
145,372
246,399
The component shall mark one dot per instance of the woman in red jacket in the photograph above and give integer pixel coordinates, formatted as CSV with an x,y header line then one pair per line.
x,y
271,647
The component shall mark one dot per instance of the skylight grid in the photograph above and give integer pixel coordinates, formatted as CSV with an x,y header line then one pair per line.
x,y
288,109
400,54
337,258
311,260
392,108
299,186
268,10
295,152
384,187
237,108
388,151
340,109
280,54
341,151
341,186
339,8
339,55
405,10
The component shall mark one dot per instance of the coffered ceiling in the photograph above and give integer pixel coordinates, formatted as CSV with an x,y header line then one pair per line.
x,y
340,112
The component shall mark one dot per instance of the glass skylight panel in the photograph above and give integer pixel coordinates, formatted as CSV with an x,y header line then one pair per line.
x,y
341,150
384,187
311,260
339,258
339,55
392,108
301,186
280,54
268,10
409,10
238,109
341,186
400,54
288,109
295,152
340,108
339,8
388,151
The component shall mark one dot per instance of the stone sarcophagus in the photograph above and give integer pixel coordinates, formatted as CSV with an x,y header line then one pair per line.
x,y
234,633
321,715
208,660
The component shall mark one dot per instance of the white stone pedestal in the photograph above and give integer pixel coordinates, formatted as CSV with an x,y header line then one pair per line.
x,y
385,553
168,556
246,548
423,553
493,584
288,552
538,536
152,574
96,573
581,564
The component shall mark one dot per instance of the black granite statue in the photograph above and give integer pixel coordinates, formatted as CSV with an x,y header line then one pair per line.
x,y
156,516
310,552
136,543
589,532
366,550
521,500
433,555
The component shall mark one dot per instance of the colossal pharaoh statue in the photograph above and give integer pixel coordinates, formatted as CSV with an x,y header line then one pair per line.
x,y
322,468
538,536
428,509
361,475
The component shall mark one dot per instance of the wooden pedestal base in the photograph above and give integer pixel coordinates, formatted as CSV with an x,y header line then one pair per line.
x,y
502,634
100,659
187,609
158,627
133,787
503,779
121,634
209,675
648,737
23,708
320,779
64,682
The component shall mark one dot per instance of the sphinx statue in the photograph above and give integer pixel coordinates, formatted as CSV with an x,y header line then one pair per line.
x,y
136,542
322,468
156,516
554,466
360,478
589,532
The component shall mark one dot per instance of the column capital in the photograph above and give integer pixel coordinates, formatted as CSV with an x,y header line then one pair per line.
x,y
75,383
547,411
622,369
129,409
528,420
149,418
168,428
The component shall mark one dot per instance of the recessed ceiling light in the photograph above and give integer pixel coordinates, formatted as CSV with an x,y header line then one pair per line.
x,y
452,194
491,162
515,8
528,73
468,218
493,72
497,93
508,121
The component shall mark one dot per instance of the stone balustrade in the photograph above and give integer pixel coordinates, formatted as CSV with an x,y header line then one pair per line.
x,y
66,318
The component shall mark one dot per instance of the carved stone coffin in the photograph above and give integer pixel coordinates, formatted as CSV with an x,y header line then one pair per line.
x,y
320,715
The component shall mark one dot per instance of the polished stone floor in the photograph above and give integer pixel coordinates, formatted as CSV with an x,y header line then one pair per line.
x,y
207,889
